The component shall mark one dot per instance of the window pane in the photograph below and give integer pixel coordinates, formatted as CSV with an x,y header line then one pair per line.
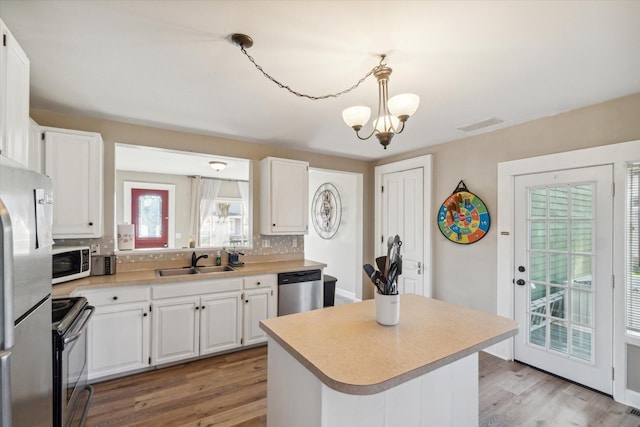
x,y
581,307
633,249
538,330
537,267
558,235
582,343
558,302
538,295
538,235
149,216
558,202
538,199
581,201
581,232
581,273
558,269
558,338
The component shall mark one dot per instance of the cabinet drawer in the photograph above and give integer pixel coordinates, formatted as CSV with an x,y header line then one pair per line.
x,y
116,295
200,287
260,281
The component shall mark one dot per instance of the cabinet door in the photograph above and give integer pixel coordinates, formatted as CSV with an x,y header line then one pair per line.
x,y
14,102
118,339
220,322
73,160
286,198
175,329
257,306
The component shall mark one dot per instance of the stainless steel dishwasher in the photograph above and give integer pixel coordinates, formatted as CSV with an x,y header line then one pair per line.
x,y
299,291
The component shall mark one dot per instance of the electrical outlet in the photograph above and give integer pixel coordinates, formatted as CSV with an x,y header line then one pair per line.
x,y
95,249
266,243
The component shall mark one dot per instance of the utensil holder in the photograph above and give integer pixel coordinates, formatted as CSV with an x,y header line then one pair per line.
x,y
387,309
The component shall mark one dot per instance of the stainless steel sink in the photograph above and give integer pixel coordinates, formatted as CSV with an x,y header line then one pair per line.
x,y
177,271
186,271
215,269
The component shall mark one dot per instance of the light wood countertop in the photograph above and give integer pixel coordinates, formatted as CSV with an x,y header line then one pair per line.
x,y
150,277
350,352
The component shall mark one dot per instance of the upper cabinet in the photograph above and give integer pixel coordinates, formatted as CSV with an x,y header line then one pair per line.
x,y
14,99
284,196
73,160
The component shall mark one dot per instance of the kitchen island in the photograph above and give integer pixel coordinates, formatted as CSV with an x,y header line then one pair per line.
x,y
339,367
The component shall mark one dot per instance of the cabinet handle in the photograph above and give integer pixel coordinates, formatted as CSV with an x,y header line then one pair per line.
x,y
115,298
274,225
257,283
246,301
144,314
202,307
197,308
91,223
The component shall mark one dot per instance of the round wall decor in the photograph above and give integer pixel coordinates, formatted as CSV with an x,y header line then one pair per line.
x,y
463,218
326,210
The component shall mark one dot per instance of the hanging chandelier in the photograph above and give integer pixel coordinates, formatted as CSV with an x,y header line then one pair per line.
x,y
392,113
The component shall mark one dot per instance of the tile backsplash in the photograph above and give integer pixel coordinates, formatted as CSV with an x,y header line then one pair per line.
x,y
263,246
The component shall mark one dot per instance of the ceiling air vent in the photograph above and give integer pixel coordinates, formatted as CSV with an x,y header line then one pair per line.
x,y
481,124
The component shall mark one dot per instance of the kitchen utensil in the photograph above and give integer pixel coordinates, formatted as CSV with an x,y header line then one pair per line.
x,y
381,262
368,268
385,273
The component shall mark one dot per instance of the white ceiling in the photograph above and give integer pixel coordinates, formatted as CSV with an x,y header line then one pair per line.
x,y
170,64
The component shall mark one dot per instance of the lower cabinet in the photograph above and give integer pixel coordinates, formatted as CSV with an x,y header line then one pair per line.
x,y
193,326
119,331
135,327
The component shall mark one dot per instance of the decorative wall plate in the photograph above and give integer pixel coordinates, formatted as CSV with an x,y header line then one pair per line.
x,y
326,211
463,218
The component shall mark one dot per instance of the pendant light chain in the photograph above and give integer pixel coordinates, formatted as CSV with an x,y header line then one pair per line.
x,y
302,95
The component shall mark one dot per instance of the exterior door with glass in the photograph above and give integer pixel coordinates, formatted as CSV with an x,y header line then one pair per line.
x,y
563,274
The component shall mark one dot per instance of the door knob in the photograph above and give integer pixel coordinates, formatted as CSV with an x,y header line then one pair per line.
x,y
521,269
520,282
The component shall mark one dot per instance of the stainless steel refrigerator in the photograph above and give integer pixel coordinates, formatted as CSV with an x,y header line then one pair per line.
x,y
25,296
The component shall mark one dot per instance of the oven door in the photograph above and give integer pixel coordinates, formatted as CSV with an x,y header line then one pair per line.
x,y
75,390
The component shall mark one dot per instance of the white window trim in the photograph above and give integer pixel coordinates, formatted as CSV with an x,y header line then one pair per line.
x,y
126,196
618,155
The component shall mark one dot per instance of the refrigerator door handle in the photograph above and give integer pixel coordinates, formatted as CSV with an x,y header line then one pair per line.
x,y
5,389
6,278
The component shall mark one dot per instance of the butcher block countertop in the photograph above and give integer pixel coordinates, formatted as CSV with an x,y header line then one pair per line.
x,y
350,352
150,277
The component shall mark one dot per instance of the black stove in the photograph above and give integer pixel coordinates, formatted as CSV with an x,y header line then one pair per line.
x,y
71,391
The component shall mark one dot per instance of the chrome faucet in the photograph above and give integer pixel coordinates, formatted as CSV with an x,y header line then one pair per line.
x,y
195,259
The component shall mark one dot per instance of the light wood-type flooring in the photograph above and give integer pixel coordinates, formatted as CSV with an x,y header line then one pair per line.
x,y
231,390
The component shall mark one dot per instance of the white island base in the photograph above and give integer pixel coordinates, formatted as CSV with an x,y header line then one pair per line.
x,y
445,397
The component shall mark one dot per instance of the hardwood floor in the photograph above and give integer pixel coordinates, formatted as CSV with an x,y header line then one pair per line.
x,y
231,390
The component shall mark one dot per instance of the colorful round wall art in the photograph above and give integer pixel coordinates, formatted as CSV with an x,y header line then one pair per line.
x,y
463,218
326,210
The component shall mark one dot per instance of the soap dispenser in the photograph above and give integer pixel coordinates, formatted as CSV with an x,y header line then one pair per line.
x,y
218,259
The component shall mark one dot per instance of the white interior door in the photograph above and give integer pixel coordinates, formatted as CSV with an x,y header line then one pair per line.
x,y
563,273
402,214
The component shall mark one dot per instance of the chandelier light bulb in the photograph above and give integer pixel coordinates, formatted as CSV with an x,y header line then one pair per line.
x,y
357,116
404,105
384,124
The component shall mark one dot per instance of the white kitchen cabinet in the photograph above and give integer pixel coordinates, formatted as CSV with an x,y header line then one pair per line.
x,y
176,332
14,99
194,326
118,333
260,302
284,196
73,160
220,322
36,147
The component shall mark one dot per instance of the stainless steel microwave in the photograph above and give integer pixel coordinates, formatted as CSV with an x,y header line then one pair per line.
x,y
70,263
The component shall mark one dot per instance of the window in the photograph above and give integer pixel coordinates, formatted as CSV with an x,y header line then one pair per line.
x,y
226,224
633,250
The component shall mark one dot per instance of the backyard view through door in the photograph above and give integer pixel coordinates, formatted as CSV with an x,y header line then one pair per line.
x,y
563,274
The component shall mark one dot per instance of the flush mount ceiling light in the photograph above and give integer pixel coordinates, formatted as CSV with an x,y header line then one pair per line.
x,y
392,113
217,165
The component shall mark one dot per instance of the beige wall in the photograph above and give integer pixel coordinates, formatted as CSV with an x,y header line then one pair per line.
x,y
466,274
